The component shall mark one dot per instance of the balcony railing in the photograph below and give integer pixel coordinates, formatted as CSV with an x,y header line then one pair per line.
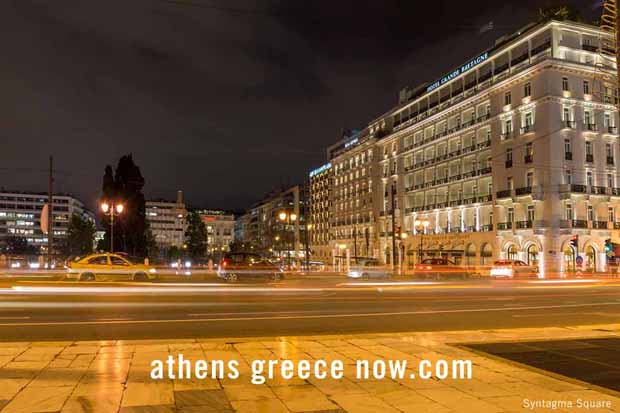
x,y
527,129
524,224
589,157
615,191
486,170
580,189
579,223
508,163
502,226
487,228
599,224
589,48
590,127
504,194
616,225
610,160
568,156
485,198
529,158
523,191
599,190
569,124
612,129
506,135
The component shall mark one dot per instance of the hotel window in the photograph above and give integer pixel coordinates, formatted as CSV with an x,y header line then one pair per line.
x,y
509,183
527,89
508,157
531,213
507,98
611,216
511,214
587,116
529,150
567,146
566,114
590,213
588,148
609,150
569,212
568,177
529,119
586,87
529,179
610,181
589,178
607,120
565,84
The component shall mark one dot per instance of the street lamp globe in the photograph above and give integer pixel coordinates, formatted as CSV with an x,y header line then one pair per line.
x,y
119,208
293,217
417,223
282,216
403,235
105,207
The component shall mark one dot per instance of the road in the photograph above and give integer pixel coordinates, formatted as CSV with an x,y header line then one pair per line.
x,y
52,310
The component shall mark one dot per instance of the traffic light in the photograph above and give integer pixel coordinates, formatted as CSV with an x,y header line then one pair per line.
x,y
608,246
574,241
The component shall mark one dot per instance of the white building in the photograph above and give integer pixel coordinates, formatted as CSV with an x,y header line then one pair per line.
x,y
168,221
509,155
20,217
220,229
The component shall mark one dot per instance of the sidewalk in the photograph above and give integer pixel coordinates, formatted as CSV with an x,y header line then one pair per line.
x,y
113,376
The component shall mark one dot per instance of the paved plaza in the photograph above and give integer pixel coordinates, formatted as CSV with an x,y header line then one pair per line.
x,y
114,376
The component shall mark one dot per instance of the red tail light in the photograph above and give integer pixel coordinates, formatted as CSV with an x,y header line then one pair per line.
x,y
224,263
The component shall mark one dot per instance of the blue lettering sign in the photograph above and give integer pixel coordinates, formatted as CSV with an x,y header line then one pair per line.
x,y
468,66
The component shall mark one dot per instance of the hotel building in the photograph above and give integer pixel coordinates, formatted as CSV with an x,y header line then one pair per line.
x,y
319,201
220,229
509,155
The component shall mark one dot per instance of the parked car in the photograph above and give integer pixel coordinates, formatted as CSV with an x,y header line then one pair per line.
x,y
108,267
438,268
367,268
513,269
241,265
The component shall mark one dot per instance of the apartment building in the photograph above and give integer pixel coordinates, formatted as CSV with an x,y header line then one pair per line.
x,y
354,203
20,217
319,200
168,221
220,229
512,154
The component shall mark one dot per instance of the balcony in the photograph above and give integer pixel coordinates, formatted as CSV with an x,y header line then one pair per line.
x,y
485,198
589,48
507,135
610,160
484,144
529,158
524,224
590,127
589,157
612,130
579,223
455,178
527,129
484,117
504,194
570,124
485,170
616,225
456,202
579,189
527,190
599,190
470,200
503,226
487,228
508,163
568,156
615,191
599,224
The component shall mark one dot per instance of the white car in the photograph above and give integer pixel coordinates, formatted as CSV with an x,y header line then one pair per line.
x,y
514,269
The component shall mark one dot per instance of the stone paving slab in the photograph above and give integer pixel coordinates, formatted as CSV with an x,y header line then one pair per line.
x,y
113,376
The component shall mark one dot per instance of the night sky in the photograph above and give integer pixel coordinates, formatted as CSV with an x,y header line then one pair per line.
x,y
222,99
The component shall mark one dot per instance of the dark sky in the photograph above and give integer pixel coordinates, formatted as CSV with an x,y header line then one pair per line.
x,y
224,99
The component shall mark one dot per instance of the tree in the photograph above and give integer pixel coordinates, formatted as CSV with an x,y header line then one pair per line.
x,y
130,228
196,236
152,249
558,12
173,253
80,236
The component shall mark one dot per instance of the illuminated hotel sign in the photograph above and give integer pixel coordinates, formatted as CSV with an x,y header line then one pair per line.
x,y
466,67
321,169
351,143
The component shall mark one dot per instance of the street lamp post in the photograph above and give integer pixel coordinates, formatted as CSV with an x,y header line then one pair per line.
x,y
112,210
288,218
420,226
402,236
308,238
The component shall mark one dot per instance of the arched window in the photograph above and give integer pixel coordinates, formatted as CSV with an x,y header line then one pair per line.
x,y
532,254
470,253
590,258
486,252
512,252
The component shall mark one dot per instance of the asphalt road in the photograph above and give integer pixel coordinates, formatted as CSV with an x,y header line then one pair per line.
x,y
42,310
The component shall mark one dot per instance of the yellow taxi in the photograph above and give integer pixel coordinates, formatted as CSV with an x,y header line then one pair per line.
x,y
108,267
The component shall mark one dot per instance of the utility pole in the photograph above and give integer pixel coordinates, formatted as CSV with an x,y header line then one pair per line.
x,y
355,241
50,215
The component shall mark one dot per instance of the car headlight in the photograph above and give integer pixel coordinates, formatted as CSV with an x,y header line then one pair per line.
x,y
152,270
